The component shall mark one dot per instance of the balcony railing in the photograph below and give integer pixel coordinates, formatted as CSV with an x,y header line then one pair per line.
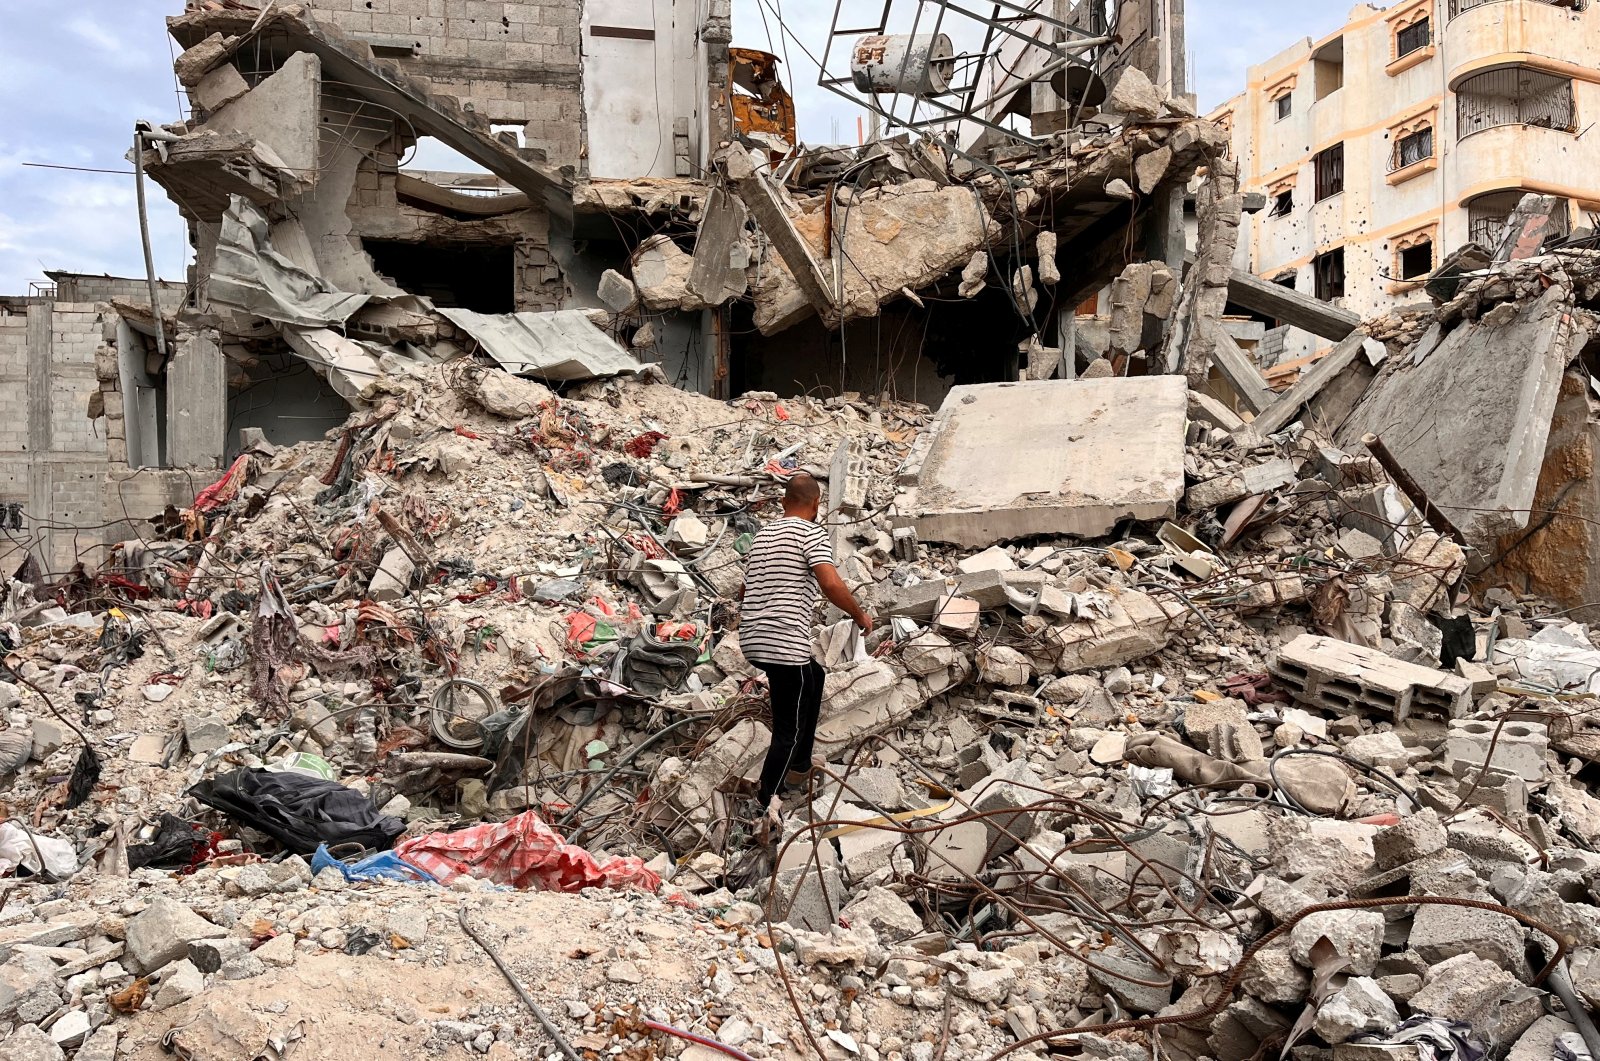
x,y
1410,150
1514,96
1458,7
1485,224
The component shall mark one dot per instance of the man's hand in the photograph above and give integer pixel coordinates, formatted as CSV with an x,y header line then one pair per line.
x,y
835,590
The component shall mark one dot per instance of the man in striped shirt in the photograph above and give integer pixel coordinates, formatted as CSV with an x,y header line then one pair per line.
x,y
790,560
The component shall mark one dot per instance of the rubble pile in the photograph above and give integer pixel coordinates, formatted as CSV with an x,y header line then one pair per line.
x,y
1251,769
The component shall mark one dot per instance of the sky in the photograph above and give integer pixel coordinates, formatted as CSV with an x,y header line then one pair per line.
x,y
74,77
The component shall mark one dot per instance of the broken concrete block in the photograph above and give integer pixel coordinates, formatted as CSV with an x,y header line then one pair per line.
x,y
973,274
204,733
735,754
1109,971
1013,786
1382,750
392,580
1480,993
1484,681
988,588
1417,835
48,738
179,984
999,665
920,600
1520,748
929,655
960,614
1538,1043
198,60
32,1043
220,87
1272,976
661,273
1049,271
617,291
1071,447
1151,168
1504,428
977,761
1134,96
1440,932
1356,934
1426,569
29,990
1208,410
510,396
862,700
1338,676
162,932
956,851
890,916
994,558
1359,1007
1012,707
1135,625
1236,486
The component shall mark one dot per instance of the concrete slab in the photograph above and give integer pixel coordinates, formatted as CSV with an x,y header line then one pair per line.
x,y
1471,421
284,112
1074,457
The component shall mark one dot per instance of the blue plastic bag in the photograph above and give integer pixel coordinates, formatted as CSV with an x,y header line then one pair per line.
x,y
385,865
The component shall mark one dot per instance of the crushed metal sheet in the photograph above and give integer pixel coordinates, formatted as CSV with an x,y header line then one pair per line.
x,y
253,278
562,345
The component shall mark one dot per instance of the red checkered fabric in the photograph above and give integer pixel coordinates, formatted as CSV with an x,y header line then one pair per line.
x,y
523,853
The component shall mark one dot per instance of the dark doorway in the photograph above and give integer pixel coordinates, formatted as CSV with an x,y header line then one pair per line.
x,y
478,276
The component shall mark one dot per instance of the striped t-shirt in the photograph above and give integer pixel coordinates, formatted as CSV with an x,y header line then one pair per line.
x,y
780,592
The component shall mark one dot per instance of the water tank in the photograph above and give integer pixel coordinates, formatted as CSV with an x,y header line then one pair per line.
x,y
915,65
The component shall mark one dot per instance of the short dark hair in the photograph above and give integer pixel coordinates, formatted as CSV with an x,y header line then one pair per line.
x,y
802,490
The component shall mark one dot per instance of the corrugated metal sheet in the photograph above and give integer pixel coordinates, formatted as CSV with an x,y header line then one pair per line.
x,y
251,276
561,345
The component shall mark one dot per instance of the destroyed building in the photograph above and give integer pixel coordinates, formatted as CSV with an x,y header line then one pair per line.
x,y
405,712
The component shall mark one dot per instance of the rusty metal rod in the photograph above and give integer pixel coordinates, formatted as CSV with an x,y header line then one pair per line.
x,y
1408,486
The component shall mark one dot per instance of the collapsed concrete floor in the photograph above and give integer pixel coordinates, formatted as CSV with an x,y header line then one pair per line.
x,y
1261,775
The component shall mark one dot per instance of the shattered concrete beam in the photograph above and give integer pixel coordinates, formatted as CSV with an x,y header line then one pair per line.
x,y
1291,307
1311,383
1240,372
757,193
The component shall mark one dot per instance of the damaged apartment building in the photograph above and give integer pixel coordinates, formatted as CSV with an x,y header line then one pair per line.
x,y
616,221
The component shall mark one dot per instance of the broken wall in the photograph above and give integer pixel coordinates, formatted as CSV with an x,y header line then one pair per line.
x,y
518,64
1547,558
644,89
52,456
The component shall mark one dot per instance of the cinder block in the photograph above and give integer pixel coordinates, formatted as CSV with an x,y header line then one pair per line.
x,y
1520,748
1012,707
1338,676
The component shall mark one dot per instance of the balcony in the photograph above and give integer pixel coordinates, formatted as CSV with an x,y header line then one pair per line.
x,y
1486,216
1514,95
1458,7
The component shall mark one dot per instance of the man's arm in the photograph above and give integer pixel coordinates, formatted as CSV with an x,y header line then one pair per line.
x,y
835,590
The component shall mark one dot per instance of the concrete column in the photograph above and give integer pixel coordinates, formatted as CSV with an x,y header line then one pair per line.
x,y
197,402
41,320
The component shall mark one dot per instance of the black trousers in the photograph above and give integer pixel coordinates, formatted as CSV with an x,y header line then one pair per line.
x,y
796,703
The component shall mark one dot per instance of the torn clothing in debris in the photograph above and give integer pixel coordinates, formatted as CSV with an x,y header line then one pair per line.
x,y
301,813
